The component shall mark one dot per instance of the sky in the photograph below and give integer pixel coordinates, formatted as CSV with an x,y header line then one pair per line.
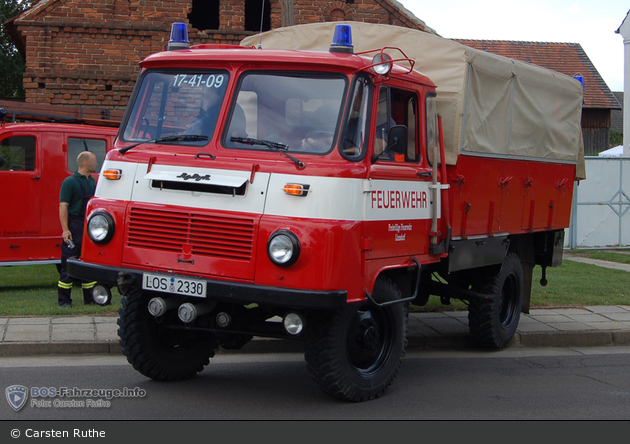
x,y
591,23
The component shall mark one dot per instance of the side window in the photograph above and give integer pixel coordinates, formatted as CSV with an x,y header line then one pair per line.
x,y
356,129
413,146
397,107
76,145
383,120
432,127
18,153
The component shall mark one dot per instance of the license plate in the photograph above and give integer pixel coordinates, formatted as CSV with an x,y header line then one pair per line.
x,y
174,285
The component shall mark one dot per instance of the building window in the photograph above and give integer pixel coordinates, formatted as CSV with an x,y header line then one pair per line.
x,y
253,10
204,14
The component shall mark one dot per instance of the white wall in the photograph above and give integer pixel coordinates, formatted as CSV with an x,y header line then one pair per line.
x,y
601,205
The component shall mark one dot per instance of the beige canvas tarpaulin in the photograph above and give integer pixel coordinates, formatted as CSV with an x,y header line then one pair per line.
x,y
490,105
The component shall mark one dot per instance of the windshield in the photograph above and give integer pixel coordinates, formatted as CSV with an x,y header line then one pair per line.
x,y
177,103
299,112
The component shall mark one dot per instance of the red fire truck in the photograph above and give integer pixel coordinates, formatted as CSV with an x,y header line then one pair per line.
x,y
34,159
314,195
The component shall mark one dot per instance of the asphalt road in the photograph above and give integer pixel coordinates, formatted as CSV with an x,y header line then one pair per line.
x,y
514,384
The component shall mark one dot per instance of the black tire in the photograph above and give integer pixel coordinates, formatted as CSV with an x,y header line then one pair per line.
x,y
493,322
155,351
355,353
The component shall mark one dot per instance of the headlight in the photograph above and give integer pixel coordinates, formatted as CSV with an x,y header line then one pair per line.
x,y
283,248
100,227
102,295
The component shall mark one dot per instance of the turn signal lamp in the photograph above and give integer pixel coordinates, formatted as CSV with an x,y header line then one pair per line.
x,y
342,40
179,37
296,189
112,174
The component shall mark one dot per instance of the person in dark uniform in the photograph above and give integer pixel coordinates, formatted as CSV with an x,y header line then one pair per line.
x,y
74,194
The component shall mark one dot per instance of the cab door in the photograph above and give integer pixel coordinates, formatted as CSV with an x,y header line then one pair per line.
x,y
399,206
21,185
60,158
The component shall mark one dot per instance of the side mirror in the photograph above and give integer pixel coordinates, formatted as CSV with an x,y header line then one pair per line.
x,y
396,141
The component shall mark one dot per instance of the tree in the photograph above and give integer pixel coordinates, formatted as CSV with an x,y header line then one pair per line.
x,y
11,62
616,138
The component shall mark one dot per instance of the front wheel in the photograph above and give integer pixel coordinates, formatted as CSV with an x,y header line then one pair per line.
x,y
155,350
355,353
493,322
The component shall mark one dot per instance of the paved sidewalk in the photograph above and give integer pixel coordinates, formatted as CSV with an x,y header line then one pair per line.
x,y
598,262
546,327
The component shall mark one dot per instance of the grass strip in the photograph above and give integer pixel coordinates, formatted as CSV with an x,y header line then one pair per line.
x,y
32,290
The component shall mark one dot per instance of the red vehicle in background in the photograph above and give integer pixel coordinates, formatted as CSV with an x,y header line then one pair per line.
x,y
34,159
314,195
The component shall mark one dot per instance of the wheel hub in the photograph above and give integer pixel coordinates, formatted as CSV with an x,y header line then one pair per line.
x,y
369,334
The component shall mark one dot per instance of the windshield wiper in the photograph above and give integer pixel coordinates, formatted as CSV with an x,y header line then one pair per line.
x,y
269,144
182,138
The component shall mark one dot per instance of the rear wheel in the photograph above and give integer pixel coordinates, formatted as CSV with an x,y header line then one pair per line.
x,y
493,322
156,351
356,353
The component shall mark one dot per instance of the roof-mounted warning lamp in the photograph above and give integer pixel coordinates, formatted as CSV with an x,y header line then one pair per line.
x,y
179,37
580,78
342,40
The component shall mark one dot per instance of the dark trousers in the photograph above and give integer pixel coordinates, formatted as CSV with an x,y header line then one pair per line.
x,y
64,286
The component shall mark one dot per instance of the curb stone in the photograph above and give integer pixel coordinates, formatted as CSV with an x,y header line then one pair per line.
x,y
263,345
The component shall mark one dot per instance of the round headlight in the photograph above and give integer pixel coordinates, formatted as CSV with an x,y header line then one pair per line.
x,y
102,295
283,248
293,323
100,227
382,64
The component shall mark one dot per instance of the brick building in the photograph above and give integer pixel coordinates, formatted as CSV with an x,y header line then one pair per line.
x,y
569,59
86,52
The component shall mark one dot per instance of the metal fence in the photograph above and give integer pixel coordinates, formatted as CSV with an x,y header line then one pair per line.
x,y
600,214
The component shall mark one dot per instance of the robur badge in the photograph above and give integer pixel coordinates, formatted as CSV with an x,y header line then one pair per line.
x,y
196,177
16,396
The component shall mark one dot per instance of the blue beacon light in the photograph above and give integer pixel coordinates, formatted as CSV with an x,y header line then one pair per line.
x,y
179,37
580,78
342,40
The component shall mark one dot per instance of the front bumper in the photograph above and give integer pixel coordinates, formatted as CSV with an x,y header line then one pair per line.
x,y
223,291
